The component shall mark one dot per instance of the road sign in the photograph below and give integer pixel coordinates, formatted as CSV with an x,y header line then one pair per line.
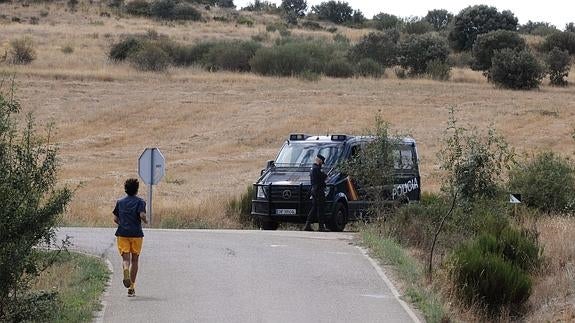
x,y
515,198
151,166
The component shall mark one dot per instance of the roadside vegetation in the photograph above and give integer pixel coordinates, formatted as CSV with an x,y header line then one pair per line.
x,y
77,281
466,246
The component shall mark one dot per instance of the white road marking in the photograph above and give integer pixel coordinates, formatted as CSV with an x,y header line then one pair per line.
x,y
377,296
278,245
386,280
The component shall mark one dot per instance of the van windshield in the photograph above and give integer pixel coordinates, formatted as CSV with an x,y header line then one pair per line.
x,y
303,155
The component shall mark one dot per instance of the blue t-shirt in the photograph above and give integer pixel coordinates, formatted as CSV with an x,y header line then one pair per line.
x,y
128,211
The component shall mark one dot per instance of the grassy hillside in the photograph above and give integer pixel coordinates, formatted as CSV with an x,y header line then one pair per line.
x,y
218,129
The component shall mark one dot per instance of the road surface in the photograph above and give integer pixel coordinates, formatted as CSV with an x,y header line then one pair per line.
x,y
245,276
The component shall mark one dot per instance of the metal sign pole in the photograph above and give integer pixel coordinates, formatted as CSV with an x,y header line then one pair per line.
x,y
150,186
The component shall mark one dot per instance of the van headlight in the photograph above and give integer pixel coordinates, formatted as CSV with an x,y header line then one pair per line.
x,y
327,191
261,192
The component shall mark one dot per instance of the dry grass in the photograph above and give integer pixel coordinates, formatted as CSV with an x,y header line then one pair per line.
x,y
553,298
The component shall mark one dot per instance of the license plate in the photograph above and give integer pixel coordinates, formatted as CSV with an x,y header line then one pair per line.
x,y
285,211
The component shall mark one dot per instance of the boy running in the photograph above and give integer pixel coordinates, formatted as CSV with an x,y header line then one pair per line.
x,y
129,213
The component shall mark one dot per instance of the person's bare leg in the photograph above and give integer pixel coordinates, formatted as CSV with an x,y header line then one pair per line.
x,y
126,269
134,267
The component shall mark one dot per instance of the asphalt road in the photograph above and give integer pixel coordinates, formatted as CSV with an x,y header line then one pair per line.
x,y
245,276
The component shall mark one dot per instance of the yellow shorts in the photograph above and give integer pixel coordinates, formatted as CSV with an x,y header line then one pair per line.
x,y
129,245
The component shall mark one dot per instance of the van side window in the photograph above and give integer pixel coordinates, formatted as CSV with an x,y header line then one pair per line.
x,y
403,159
355,151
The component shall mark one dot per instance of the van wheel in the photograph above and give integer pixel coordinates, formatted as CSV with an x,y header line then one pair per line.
x,y
269,225
339,219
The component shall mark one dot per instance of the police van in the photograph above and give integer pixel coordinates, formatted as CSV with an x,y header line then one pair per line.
x,y
282,192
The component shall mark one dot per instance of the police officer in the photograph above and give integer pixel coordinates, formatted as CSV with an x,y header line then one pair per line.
x,y
317,178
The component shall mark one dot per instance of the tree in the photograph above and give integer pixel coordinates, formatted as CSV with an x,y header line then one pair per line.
x,y
558,65
338,12
538,28
439,18
226,3
293,9
418,50
357,19
486,45
381,47
476,20
386,21
517,70
31,204
570,27
562,40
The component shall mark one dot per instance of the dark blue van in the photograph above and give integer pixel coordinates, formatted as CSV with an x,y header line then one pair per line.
x,y
282,192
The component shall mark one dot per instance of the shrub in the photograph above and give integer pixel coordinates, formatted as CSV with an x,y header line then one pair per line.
x,y
562,40
488,278
473,162
400,73
22,51
124,48
438,70
416,26
68,49
150,57
338,12
439,18
294,8
31,204
172,10
138,8
292,58
339,68
476,20
460,59
383,21
368,67
309,76
418,50
546,182
262,6
243,20
230,56
381,47
311,25
486,45
518,70
537,28
558,65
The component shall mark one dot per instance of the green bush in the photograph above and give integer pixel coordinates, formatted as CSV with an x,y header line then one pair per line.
x,y
546,182
417,51
172,10
558,65
438,70
150,57
384,21
243,20
311,25
486,45
518,70
138,8
381,47
339,68
230,56
186,55
32,202
538,28
439,18
22,51
368,67
338,12
309,76
292,58
562,40
461,59
121,50
488,278
416,26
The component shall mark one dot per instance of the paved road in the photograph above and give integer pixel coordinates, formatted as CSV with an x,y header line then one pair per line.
x,y
245,276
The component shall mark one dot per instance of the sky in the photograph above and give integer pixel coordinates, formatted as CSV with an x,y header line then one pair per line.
x,y
556,12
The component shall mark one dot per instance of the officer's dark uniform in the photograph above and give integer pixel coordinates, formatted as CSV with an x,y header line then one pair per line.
x,y
317,178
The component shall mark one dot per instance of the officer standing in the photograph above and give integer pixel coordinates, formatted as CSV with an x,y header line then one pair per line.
x,y
317,178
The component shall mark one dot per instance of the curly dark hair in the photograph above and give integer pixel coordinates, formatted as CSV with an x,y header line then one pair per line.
x,y
131,186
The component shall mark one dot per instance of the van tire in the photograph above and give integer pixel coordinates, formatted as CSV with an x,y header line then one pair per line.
x,y
339,218
269,225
